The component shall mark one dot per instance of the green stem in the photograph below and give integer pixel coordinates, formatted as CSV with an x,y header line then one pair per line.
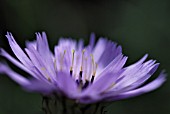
x,y
61,105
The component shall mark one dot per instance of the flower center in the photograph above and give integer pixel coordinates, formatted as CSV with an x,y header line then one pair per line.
x,y
82,60
84,69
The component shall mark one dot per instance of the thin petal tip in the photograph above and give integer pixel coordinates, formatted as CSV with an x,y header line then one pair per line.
x,y
3,67
154,68
146,55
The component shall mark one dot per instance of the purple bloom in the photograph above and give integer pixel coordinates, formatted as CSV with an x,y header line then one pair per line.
x,y
87,74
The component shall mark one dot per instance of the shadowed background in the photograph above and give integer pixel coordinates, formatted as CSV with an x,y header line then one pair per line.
x,y
140,26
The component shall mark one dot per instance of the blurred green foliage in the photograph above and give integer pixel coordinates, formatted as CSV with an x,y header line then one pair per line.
x,y
140,26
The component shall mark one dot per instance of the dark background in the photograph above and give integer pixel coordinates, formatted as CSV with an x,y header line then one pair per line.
x,y
140,26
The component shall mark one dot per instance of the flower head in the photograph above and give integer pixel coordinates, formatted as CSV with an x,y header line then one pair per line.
x,y
85,73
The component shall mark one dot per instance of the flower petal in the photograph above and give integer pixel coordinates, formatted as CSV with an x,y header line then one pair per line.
x,y
40,64
67,85
105,51
99,49
40,87
16,62
137,72
114,66
13,75
147,88
18,51
101,85
44,51
31,43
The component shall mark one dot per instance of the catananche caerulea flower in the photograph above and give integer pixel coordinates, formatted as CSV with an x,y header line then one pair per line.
x,y
87,74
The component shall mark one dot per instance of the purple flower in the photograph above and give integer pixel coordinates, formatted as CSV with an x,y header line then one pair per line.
x,y
87,74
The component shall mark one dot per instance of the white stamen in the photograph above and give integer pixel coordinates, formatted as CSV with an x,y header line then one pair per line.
x,y
72,63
